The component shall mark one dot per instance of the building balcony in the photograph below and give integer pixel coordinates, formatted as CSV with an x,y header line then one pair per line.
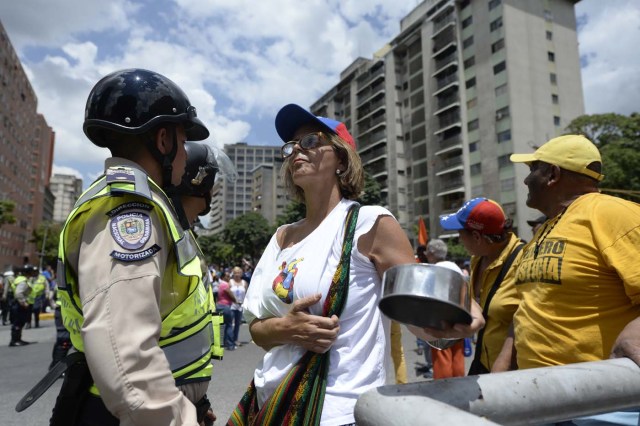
x,y
371,124
366,110
371,77
438,27
367,141
449,165
446,103
451,60
446,145
374,154
371,92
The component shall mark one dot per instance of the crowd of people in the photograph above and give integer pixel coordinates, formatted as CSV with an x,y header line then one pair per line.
x,y
569,295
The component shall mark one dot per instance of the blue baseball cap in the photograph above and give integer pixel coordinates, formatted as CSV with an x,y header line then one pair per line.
x,y
291,117
478,214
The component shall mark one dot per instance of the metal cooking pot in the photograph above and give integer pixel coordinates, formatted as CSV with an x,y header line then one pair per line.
x,y
425,296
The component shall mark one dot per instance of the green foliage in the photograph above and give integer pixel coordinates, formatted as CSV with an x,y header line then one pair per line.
x,y
371,195
618,138
6,212
249,234
455,250
216,250
293,212
49,234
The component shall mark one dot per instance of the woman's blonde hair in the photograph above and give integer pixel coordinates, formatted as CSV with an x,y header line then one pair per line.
x,y
350,180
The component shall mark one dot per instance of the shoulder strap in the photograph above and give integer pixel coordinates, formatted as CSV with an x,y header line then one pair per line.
x,y
494,288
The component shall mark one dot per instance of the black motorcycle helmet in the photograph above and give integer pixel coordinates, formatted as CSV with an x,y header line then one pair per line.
x,y
204,165
133,101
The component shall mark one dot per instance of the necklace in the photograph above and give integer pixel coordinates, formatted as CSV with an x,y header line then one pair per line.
x,y
548,227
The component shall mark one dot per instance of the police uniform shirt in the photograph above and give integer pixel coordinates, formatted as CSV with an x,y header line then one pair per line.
x,y
121,286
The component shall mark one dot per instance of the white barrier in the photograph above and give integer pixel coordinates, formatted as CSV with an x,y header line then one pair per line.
x,y
523,397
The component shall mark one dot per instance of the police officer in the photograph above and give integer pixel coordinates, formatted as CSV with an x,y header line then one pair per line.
x,y
7,295
205,165
20,311
129,276
36,299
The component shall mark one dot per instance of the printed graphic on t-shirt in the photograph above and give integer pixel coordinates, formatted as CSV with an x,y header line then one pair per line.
x,y
284,281
546,266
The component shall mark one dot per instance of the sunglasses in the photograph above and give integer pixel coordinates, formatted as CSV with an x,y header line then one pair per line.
x,y
308,141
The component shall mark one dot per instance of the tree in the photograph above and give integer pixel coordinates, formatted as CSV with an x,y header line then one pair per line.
x,y
49,234
455,250
293,212
618,138
249,234
371,196
216,250
6,212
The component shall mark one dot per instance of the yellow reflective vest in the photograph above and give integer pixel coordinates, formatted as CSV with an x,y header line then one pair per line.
x,y
190,332
37,288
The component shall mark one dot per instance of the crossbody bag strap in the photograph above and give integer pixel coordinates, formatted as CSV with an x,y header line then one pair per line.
x,y
494,288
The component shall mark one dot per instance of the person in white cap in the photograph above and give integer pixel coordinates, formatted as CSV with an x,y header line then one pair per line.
x,y
578,279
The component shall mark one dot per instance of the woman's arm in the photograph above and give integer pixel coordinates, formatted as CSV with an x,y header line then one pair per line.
x,y
312,332
387,245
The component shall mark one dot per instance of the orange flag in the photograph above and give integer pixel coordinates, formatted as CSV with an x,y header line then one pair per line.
x,y
422,232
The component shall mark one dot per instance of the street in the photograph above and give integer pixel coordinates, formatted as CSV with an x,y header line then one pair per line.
x,y
22,367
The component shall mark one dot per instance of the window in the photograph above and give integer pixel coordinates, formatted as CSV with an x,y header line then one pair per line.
x,y
472,125
501,90
549,35
551,56
467,22
503,161
548,16
465,3
554,99
553,78
467,42
496,24
494,3
499,67
556,120
469,62
504,136
502,113
507,184
472,102
473,146
475,169
470,83
497,45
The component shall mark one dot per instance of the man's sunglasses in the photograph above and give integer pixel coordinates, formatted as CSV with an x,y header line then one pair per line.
x,y
308,141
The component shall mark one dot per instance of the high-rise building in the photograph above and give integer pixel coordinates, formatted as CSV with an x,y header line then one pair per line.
x,y
269,197
230,200
438,111
26,157
67,189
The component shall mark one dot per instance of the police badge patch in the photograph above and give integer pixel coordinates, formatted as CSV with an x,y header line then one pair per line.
x,y
131,230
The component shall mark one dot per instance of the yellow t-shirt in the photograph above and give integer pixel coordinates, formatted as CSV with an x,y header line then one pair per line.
x,y
583,287
503,304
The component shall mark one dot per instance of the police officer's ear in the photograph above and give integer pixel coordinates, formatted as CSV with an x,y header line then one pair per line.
x,y
164,140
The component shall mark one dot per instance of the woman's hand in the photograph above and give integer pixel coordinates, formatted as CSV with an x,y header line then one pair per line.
x,y
312,332
452,331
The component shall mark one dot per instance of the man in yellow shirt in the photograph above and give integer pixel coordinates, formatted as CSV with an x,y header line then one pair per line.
x,y
578,278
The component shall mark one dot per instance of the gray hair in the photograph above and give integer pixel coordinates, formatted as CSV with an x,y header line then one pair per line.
x,y
438,249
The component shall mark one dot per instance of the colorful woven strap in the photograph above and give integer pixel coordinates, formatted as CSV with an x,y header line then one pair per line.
x,y
298,399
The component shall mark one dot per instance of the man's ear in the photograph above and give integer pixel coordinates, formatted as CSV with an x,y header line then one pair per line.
x,y
555,174
162,141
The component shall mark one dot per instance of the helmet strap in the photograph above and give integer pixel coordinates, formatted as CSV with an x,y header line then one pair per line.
x,y
182,215
165,160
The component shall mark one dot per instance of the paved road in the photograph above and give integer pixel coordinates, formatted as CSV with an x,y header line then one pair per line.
x,y
22,367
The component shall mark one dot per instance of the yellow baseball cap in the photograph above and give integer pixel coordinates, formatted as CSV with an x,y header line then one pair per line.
x,y
570,152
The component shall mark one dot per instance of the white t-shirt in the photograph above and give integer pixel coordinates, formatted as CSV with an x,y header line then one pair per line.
x,y
284,275
238,289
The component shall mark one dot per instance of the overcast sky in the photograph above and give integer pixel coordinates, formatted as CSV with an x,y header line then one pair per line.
x,y
240,60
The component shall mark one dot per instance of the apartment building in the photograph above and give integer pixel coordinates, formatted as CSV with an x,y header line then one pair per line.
x,y
66,189
26,157
437,112
230,200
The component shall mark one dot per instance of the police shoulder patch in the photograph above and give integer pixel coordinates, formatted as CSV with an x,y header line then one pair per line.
x,y
131,230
